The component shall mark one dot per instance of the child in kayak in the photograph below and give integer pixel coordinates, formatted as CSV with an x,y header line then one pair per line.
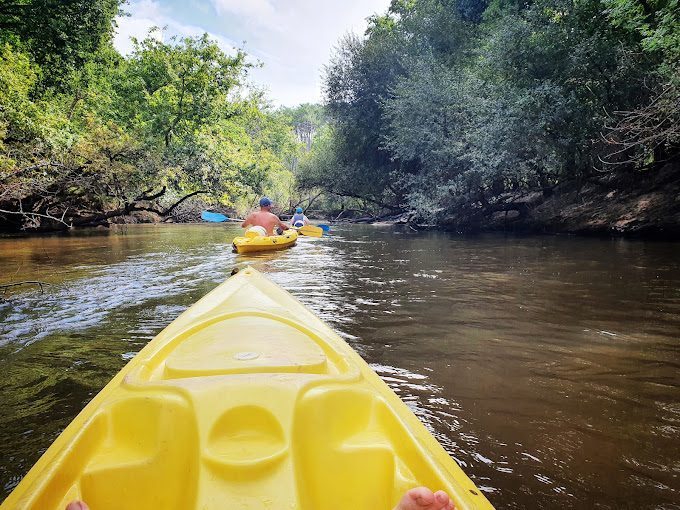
x,y
299,219
419,498
264,219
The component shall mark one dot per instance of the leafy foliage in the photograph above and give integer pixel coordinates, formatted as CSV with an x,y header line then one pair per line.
x,y
60,35
651,131
173,120
443,103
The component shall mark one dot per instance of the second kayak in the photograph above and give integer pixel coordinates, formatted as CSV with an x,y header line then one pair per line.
x,y
265,243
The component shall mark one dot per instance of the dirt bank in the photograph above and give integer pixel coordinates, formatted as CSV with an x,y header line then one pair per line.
x,y
633,205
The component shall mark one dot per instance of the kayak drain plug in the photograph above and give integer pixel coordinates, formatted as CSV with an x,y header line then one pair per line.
x,y
246,355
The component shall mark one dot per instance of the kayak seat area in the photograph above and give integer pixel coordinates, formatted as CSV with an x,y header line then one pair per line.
x,y
358,442
126,452
246,344
246,451
243,440
321,446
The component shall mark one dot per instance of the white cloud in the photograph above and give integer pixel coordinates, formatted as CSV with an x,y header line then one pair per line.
x,y
143,15
294,39
146,14
306,31
260,10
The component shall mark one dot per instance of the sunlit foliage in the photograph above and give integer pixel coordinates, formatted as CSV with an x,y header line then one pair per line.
x,y
444,103
173,120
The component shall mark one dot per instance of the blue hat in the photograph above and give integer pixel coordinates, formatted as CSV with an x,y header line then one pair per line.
x,y
265,202
298,210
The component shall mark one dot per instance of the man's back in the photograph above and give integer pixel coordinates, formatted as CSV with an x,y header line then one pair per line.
x,y
264,219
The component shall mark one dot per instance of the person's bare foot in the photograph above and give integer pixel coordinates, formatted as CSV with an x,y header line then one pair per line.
x,y
77,505
422,498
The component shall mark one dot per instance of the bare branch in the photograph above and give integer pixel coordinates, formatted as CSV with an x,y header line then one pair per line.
x,y
34,215
145,196
173,206
27,282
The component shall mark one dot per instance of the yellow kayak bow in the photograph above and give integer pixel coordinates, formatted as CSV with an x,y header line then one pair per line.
x,y
246,401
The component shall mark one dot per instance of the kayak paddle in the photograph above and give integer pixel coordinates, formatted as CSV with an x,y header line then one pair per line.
x,y
213,217
311,231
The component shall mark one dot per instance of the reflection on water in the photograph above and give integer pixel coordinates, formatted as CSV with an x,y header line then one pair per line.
x,y
547,367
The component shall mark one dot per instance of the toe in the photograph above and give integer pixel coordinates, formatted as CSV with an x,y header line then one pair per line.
x,y
77,505
422,496
441,500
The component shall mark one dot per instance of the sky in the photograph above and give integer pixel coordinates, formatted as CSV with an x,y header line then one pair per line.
x,y
293,39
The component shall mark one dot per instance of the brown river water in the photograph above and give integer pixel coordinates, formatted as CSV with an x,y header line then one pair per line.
x,y
548,367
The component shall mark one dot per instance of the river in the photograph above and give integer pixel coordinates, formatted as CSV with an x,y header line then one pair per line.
x,y
548,367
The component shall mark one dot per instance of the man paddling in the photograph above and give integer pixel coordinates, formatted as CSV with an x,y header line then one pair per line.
x,y
265,219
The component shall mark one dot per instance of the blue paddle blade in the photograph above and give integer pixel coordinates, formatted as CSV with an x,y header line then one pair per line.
x,y
214,217
325,228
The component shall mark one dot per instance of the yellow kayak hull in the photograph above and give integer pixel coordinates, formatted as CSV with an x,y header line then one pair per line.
x,y
246,401
265,243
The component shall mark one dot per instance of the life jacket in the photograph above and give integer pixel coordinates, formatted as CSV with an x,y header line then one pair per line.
x,y
298,220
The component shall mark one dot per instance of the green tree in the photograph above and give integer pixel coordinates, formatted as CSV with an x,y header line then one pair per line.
x,y
439,106
61,35
650,133
143,133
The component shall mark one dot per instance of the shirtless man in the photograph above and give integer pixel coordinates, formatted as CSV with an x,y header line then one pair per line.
x,y
419,498
265,218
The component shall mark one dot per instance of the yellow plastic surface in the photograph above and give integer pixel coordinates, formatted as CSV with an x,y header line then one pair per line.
x,y
265,243
246,401
311,231
255,231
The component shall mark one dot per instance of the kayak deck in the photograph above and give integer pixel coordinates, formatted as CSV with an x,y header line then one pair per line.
x,y
246,401
265,243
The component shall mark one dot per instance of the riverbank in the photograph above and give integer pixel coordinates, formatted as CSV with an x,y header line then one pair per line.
x,y
623,204
618,204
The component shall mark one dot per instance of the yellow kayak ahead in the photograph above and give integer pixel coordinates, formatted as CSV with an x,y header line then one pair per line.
x,y
246,401
265,243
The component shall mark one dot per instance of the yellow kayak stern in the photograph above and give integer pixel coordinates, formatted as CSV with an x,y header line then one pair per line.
x,y
246,401
244,244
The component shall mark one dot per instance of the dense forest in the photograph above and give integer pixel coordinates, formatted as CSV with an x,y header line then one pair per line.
x,y
443,112
88,135
455,109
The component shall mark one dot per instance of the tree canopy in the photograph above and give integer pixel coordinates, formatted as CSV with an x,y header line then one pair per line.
x,y
440,105
87,134
444,103
60,35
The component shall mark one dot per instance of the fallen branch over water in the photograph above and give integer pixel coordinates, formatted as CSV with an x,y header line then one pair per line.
x,y
37,212
34,216
27,282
